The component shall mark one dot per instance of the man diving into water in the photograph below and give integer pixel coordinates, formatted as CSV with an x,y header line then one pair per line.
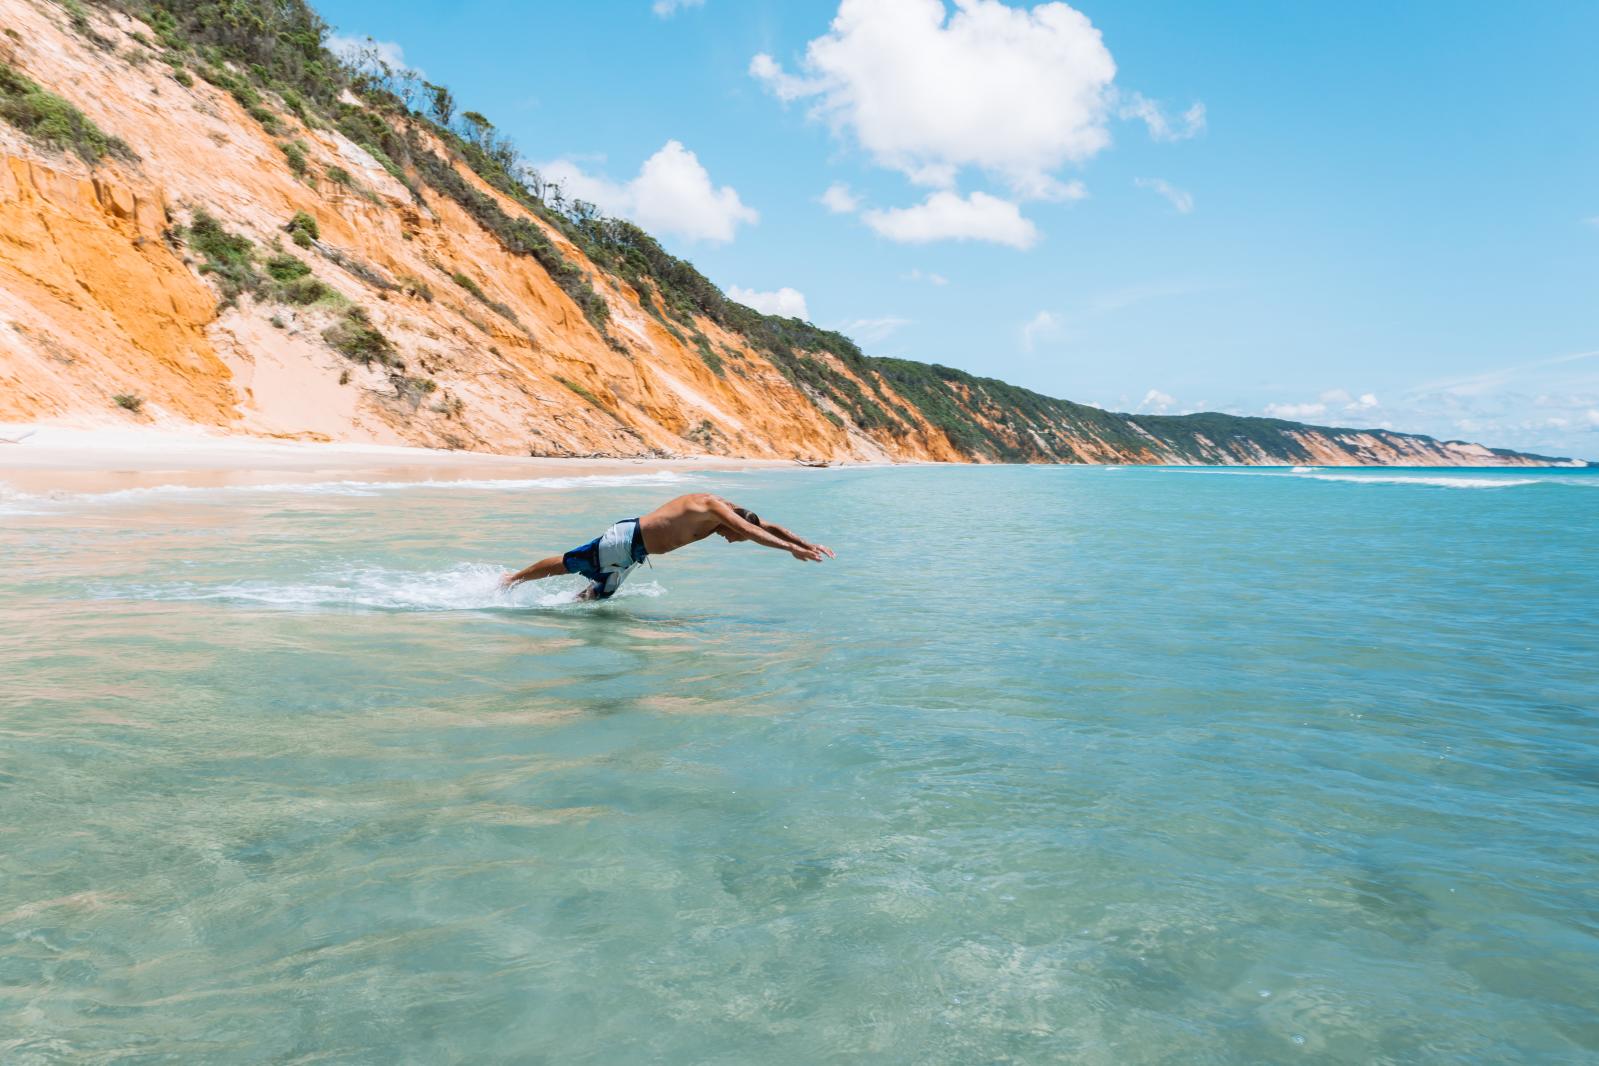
x,y
608,558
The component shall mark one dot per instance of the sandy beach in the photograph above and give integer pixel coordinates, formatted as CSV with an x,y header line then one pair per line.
x,y
39,459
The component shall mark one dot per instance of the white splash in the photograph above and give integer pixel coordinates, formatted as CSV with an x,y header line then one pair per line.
x,y
464,587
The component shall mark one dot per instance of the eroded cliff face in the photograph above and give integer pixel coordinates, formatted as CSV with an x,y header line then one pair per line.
x,y
101,297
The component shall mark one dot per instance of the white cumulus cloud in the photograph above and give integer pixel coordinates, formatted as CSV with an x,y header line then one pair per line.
x,y
1190,124
1043,324
1341,398
1014,92
667,8
1182,201
948,216
839,200
673,193
1156,402
789,303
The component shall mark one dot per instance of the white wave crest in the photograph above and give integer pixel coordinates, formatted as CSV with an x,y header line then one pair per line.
x,y
347,488
1439,482
464,587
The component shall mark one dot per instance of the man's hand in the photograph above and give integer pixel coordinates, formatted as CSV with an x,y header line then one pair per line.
x,y
812,554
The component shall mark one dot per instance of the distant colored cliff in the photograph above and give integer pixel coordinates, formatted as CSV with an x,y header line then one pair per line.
x,y
207,219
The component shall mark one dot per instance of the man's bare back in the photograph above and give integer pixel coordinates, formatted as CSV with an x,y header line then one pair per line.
x,y
606,560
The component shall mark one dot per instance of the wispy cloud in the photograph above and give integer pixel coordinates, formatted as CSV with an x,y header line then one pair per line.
x,y
667,8
1296,412
1043,324
1182,201
1541,405
873,330
360,51
931,279
1138,106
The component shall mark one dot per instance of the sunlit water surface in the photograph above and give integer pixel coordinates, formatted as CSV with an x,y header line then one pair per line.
x,y
1089,765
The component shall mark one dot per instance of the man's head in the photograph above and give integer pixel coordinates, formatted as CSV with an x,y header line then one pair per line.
x,y
733,536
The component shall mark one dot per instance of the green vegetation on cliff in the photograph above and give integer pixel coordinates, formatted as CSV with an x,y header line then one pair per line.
x,y
52,121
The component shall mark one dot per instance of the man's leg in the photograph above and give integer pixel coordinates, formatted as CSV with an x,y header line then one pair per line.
x,y
553,566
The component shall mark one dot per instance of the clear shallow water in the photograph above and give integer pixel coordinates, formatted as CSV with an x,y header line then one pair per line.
x,y
1102,766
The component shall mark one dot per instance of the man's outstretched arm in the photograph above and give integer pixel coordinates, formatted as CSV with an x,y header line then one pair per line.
x,y
554,566
789,535
729,518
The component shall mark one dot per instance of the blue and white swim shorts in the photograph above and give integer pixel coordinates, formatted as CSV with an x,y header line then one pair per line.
x,y
608,558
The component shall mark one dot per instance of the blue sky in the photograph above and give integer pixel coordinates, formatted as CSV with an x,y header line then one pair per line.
x,y
1357,214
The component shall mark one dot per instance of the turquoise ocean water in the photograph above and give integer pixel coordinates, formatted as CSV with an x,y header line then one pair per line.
x,y
1051,764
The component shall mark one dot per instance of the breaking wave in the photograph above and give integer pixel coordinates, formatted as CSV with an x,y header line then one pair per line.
x,y
464,587
1439,482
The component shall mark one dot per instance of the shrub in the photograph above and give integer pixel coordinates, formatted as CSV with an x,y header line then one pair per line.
x,y
128,402
354,337
54,122
79,18
307,290
413,389
294,284
268,120
295,103
469,285
477,291
294,152
227,257
285,268
585,393
415,286
709,357
339,176
303,230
